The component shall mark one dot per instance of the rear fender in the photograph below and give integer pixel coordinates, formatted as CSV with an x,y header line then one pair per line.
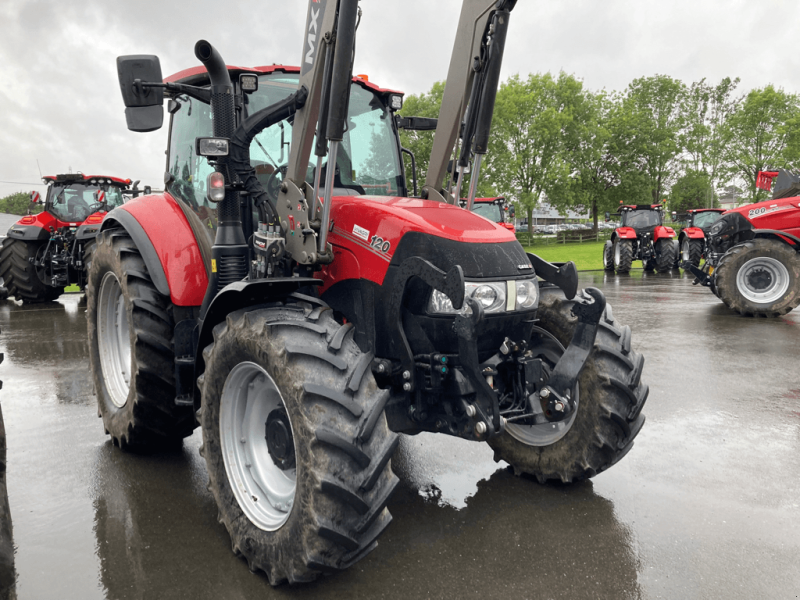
x,y
662,232
625,233
34,228
162,233
694,233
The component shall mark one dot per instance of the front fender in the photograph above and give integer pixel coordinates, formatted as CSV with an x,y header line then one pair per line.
x,y
168,246
625,233
694,233
662,232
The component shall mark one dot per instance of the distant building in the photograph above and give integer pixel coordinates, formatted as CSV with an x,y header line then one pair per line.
x,y
544,214
731,197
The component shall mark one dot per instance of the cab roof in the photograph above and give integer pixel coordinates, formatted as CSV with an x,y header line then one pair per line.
x,y
80,177
198,76
640,207
699,210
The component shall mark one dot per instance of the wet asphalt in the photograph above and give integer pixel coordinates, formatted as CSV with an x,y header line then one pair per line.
x,y
706,504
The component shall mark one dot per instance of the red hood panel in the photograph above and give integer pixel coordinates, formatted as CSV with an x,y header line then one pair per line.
x,y
783,214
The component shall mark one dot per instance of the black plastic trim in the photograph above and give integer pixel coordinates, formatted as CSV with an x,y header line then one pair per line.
x,y
29,233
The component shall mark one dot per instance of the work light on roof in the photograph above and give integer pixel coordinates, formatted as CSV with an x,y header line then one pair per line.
x,y
248,83
396,102
212,147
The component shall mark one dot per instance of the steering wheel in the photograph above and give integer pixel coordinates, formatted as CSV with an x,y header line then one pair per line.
x,y
273,184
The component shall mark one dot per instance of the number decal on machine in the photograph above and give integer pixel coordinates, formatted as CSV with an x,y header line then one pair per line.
x,y
381,244
755,212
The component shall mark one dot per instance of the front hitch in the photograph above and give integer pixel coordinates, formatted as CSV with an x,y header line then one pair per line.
x,y
700,275
557,396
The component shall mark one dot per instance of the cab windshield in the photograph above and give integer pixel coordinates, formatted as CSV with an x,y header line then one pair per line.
x,y
490,211
367,161
74,202
704,219
641,218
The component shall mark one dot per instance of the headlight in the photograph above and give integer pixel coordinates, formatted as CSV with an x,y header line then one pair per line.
x,y
717,227
494,297
527,293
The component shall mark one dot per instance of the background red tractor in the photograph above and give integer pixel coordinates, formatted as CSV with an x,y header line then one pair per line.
x,y
641,236
753,261
45,252
494,209
692,238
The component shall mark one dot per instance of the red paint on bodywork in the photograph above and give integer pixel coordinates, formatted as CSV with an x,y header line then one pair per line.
x,y
201,70
783,215
367,229
694,233
45,220
663,232
168,229
626,233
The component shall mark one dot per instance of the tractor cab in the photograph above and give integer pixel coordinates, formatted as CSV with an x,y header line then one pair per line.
x,y
368,161
73,197
641,217
494,209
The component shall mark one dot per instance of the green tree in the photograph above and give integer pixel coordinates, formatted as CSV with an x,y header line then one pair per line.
x,y
647,127
692,190
762,134
527,155
420,142
16,204
707,110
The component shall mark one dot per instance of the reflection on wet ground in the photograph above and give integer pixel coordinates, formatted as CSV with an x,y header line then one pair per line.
x,y
704,506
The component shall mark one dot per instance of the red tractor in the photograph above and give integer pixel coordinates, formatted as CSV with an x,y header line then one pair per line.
x,y
323,321
692,238
45,252
753,260
494,209
641,236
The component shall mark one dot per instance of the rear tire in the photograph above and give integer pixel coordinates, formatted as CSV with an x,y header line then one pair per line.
x,y
665,255
608,256
759,278
299,360
691,251
623,255
609,409
130,330
19,274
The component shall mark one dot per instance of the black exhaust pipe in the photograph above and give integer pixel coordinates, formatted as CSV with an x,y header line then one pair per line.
x,y
229,254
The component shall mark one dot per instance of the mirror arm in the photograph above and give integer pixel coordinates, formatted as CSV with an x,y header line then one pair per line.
x,y
198,93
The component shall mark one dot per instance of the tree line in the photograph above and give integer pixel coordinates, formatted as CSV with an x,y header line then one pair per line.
x,y
659,139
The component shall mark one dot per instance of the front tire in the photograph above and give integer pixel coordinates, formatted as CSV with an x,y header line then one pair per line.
x,y
295,364
759,278
691,251
19,274
623,255
665,255
608,256
130,329
608,417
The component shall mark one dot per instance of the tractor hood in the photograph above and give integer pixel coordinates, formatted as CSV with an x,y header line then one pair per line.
x,y
782,214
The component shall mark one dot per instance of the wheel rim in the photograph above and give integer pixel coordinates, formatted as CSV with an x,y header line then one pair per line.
x,y
763,280
113,336
545,434
264,492
41,272
685,254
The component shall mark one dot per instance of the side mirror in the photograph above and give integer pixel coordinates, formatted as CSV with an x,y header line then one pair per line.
x,y
144,103
148,190
511,211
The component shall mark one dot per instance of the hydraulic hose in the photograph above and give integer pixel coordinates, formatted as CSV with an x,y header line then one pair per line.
x,y
239,157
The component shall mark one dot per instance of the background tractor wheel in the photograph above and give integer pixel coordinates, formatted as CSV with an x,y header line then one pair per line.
x,y
19,274
691,251
130,347
295,441
608,256
610,401
665,255
759,278
623,255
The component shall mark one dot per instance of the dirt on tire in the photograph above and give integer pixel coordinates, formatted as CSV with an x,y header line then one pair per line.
x,y
19,274
610,405
726,277
149,418
342,443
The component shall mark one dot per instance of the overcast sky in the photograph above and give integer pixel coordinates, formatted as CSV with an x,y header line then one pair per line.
x,y
60,101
